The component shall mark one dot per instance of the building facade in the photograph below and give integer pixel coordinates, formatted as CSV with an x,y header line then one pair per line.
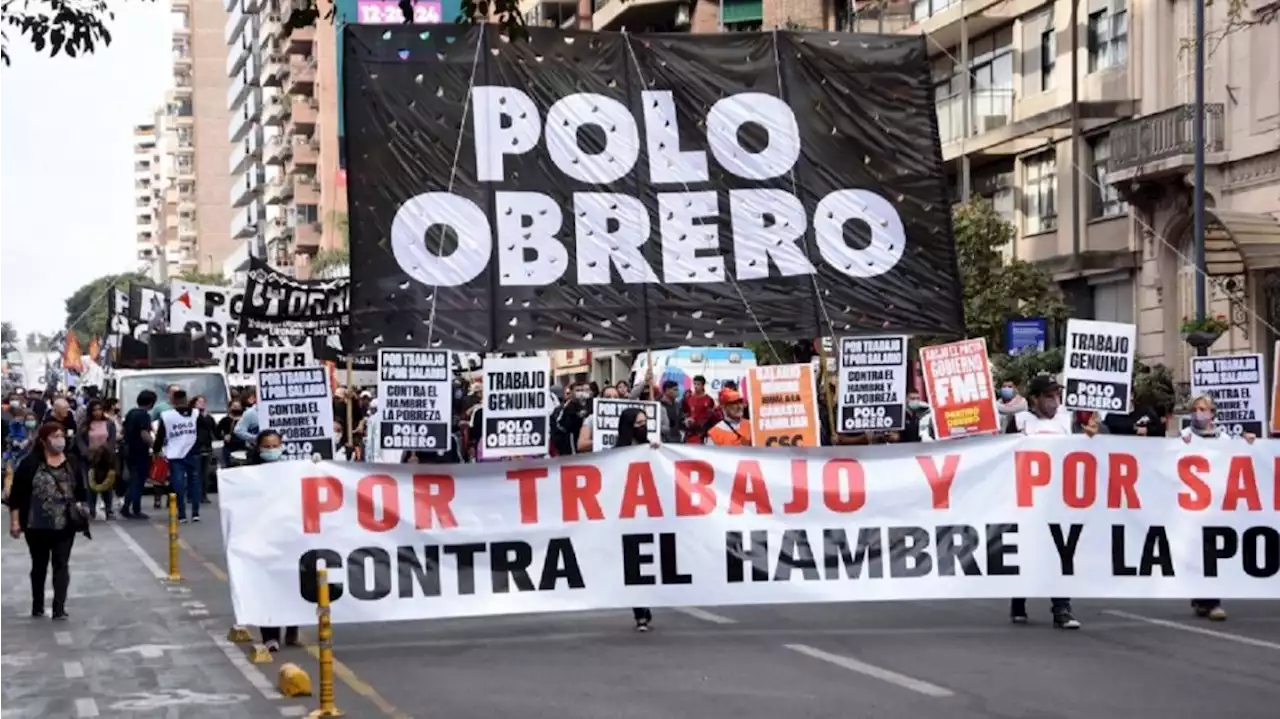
x,y
146,191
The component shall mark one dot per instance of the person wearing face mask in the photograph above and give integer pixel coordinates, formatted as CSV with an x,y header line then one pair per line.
x,y
176,439
733,430
918,421
1009,404
1046,416
48,504
585,434
96,441
1204,427
206,432
226,429
268,448
633,429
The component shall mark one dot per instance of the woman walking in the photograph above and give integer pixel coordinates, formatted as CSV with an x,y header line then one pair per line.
x,y
633,429
269,448
47,504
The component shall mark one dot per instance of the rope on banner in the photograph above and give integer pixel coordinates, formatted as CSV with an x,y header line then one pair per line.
x,y
729,275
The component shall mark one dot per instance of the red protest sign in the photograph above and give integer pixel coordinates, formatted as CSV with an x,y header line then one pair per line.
x,y
957,377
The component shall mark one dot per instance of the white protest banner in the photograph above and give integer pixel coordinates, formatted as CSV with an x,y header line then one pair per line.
x,y
1237,386
415,399
215,312
873,383
1098,367
517,406
297,403
1107,517
604,420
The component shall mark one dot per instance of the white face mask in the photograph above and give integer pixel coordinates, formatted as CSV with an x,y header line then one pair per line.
x,y
57,444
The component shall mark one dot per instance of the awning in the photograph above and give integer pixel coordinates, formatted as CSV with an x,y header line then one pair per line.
x,y
1236,242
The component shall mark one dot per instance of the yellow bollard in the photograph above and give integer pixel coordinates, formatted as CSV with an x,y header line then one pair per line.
x,y
293,681
239,634
174,574
260,654
325,640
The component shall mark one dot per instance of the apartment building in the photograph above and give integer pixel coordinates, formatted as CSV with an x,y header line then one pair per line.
x,y
145,191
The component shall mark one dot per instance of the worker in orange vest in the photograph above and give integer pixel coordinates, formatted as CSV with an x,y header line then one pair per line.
x,y
733,430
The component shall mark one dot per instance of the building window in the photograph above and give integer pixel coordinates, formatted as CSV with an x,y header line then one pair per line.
x,y
990,78
1105,198
307,214
1041,191
923,9
1108,38
994,182
1048,56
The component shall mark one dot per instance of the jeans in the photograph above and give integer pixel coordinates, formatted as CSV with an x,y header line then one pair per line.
x,y
185,479
50,546
1019,606
139,469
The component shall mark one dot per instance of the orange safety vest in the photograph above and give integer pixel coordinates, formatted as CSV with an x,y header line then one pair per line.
x,y
724,435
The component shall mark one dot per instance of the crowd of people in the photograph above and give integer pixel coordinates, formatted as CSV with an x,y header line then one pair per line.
x,y
67,455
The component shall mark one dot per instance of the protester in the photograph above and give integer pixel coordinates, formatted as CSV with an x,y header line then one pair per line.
x,y
206,432
62,414
268,448
138,438
176,440
585,433
1204,426
226,429
247,428
1045,416
1009,404
696,409
47,503
96,443
566,419
734,430
916,420
633,429
672,422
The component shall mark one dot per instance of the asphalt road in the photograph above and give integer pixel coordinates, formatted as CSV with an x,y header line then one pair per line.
x,y
904,660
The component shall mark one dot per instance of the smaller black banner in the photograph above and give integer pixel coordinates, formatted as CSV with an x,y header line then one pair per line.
x,y
277,305
1084,394
415,399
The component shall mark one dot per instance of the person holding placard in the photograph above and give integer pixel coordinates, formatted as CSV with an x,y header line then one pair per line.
x,y
585,436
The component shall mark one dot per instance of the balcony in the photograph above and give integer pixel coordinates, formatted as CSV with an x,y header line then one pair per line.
x,y
304,112
277,151
306,237
243,154
185,170
244,188
238,54
240,86
237,18
275,110
244,223
301,79
181,55
279,189
306,189
305,154
274,67
187,230
243,119
278,231
1162,143
300,40
272,28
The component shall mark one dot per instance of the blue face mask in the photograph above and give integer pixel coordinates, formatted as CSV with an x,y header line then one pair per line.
x,y
271,455
1007,393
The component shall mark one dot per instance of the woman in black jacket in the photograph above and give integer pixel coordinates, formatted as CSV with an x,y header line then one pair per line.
x,y
206,433
633,428
48,504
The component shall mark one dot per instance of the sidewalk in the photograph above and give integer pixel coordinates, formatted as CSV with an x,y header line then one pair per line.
x,y
133,647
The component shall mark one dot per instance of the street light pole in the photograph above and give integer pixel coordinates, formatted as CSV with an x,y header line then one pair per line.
x,y
1197,190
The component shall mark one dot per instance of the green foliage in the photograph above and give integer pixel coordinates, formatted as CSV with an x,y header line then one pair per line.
x,y
338,256
1021,368
8,335
996,289
1153,386
39,342
87,306
204,278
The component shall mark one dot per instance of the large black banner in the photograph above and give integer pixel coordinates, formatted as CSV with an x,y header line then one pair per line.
x,y
597,189
277,305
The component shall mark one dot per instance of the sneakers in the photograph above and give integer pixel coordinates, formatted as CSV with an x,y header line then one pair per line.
x,y
61,616
642,625
140,515
1211,611
1065,620
196,518
1217,614
1018,617
272,645
182,520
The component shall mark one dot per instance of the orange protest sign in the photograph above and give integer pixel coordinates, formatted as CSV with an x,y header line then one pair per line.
x,y
784,406
958,378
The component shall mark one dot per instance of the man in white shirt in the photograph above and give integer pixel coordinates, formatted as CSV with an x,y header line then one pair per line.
x,y
1045,415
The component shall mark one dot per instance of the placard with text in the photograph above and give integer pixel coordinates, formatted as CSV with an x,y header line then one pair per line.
x,y
517,406
298,404
415,400
1097,369
958,379
873,383
784,406
1237,385
604,420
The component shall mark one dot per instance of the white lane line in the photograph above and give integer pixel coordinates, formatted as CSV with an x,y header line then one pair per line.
x,y
198,612
195,604
1262,643
242,663
705,616
140,553
902,680
73,670
293,711
86,708
62,638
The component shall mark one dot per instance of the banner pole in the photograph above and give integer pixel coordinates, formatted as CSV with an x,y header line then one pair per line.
x,y
174,574
351,388
324,632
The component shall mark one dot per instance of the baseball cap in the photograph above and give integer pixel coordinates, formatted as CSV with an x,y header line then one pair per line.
x,y
1041,385
730,396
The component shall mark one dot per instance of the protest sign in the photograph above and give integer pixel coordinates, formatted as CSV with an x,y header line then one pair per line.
x,y
415,400
784,407
297,403
604,420
1098,366
1107,517
873,383
1237,386
958,379
517,406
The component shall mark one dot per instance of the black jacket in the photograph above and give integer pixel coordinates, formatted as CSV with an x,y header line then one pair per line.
x,y
25,473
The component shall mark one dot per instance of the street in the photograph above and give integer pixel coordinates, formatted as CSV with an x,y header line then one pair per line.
x,y
136,648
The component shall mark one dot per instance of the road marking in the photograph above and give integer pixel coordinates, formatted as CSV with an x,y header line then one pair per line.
x,y
215,570
150,651
1195,630
705,616
902,680
140,553
86,707
359,686
73,670
193,603
62,638
197,612
250,672
293,711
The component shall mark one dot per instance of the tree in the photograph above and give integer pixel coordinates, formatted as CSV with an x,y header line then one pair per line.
x,y
197,277
996,289
8,335
87,306
39,342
